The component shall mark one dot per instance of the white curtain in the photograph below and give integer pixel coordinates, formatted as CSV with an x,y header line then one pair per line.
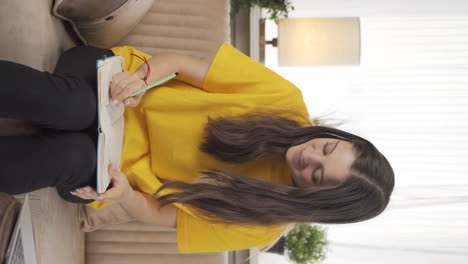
x,y
409,97
378,8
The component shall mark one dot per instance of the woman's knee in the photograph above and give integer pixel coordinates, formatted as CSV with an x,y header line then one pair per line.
x,y
81,61
78,51
83,54
64,193
79,162
79,159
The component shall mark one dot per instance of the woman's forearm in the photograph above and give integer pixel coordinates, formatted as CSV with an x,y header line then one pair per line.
x,y
145,208
191,70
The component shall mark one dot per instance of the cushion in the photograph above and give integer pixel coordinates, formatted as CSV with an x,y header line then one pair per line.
x,y
102,23
92,219
30,35
192,27
135,242
182,26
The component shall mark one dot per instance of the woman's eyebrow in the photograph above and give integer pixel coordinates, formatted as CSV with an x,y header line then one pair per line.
x,y
323,169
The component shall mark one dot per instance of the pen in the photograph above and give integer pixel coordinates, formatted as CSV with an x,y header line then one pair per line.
x,y
163,80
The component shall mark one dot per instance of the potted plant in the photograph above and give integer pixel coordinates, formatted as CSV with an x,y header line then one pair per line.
x,y
275,9
304,244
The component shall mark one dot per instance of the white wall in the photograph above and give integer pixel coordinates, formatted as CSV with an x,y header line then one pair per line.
x,y
411,86
327,8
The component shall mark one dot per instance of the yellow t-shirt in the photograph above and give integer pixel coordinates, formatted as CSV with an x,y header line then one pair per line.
x,y
163,133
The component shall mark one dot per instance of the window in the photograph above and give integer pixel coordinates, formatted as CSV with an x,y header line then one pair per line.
x,y
409,97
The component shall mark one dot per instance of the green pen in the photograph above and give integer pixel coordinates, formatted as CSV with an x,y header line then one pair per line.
x,y
163,80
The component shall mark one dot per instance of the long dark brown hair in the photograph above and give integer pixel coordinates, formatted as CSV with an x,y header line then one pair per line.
x,y
224,197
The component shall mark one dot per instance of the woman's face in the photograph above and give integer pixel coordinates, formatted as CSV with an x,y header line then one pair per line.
x,y
320,162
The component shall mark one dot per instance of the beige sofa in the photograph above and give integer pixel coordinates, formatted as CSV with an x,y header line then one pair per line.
x,y
32,36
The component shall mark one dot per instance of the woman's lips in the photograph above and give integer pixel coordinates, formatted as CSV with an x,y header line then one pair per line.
x,y
298,159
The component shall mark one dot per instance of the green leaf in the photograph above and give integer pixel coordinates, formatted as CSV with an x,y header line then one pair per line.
x,y
275,9
309,244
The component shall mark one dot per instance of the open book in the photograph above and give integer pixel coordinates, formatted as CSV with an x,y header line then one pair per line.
x,y
110,121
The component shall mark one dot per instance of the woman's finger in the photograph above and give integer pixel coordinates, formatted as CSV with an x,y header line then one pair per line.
x,y
123,90
134,100
85,193
119,83
115,181
126,86
79,195
114,169
116,175
115,84
111,169
109,194
115,98
128,102
90,191
126,94
119,76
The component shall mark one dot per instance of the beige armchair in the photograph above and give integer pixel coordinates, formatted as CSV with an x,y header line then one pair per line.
x,y
194,27
32,36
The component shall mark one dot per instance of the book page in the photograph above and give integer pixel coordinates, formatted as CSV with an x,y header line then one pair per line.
x,y
111,122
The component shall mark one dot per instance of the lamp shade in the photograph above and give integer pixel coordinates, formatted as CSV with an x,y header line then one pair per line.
x,y
319,41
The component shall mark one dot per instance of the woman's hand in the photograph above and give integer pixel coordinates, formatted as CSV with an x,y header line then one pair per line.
x,y
122,85
119,191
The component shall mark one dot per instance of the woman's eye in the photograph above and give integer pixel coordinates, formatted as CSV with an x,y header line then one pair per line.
x,y
325,148
314,181
316,177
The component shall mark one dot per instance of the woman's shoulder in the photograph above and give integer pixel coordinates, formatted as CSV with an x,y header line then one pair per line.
x,y
132,56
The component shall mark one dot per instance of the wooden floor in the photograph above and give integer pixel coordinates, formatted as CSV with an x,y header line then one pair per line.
x,y
56,228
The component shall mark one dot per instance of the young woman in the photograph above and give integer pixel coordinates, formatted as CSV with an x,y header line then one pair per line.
x,y
225,152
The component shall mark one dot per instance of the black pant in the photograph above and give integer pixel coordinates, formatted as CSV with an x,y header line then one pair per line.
x,y
63,105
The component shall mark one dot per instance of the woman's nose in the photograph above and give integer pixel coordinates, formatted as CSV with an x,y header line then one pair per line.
x,y
312,155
